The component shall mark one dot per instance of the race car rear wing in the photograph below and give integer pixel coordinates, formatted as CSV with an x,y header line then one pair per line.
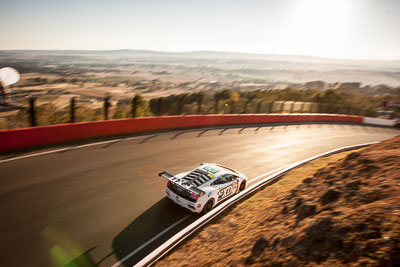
x,y
168,176
173,179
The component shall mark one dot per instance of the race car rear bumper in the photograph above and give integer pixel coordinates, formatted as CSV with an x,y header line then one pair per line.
x,y
191,206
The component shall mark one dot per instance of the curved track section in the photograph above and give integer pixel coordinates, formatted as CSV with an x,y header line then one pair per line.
x,y
98,204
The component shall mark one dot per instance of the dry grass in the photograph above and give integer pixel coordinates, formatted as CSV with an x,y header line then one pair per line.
x,y
339,210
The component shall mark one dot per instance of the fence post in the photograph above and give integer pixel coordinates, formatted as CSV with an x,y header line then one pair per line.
x,y
292,107
181,104
316,108
231,107
270,104
336,108
199,103
258,110
312,107
134,106
72,110
216,106
106,106
32,115
282,106
159,106
302,107
326,108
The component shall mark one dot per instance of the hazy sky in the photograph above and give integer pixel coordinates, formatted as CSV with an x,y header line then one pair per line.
x,y
330,28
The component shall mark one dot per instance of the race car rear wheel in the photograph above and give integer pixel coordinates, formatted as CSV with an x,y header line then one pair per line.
x,y
209,205
242,186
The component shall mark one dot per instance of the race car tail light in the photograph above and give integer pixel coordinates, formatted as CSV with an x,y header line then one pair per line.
x,y
194,196
169,183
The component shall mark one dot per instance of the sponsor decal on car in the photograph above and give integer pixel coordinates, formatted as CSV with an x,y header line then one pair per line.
x,y
227,191
210,175
211,169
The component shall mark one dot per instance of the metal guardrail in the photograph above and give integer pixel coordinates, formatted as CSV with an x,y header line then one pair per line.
x,y
195,226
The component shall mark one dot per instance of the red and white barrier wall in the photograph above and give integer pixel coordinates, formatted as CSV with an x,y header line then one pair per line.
x,y
382,122
38,136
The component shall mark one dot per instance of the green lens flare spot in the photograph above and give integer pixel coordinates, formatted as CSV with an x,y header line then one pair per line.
x,y
59,257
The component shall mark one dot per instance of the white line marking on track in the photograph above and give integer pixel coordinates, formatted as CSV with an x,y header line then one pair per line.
x,y
287,167
148,242
268,173
57,150
181,220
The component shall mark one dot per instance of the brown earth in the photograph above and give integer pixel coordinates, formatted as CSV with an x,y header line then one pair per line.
x,y
340,210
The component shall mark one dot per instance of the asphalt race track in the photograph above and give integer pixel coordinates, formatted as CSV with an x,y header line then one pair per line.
x,y
102,202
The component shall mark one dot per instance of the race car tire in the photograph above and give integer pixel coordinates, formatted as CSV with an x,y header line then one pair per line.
x,y
208,206
242,186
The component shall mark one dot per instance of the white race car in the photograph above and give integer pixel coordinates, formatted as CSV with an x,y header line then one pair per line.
x,y
204,187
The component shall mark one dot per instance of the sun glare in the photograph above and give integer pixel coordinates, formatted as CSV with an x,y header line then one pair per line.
x,y
315,22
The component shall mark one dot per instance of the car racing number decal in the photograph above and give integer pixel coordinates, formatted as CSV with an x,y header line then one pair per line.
x,y
227,191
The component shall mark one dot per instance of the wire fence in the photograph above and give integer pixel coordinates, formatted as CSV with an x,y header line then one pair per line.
x,y
34,114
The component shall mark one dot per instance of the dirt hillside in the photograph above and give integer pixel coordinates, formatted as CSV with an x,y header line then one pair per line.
x,y
341,210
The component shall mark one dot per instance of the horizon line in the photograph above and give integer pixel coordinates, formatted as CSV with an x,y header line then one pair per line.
x,y
206,51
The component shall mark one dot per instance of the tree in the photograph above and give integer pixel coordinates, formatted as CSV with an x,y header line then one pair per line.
x,y
221,95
